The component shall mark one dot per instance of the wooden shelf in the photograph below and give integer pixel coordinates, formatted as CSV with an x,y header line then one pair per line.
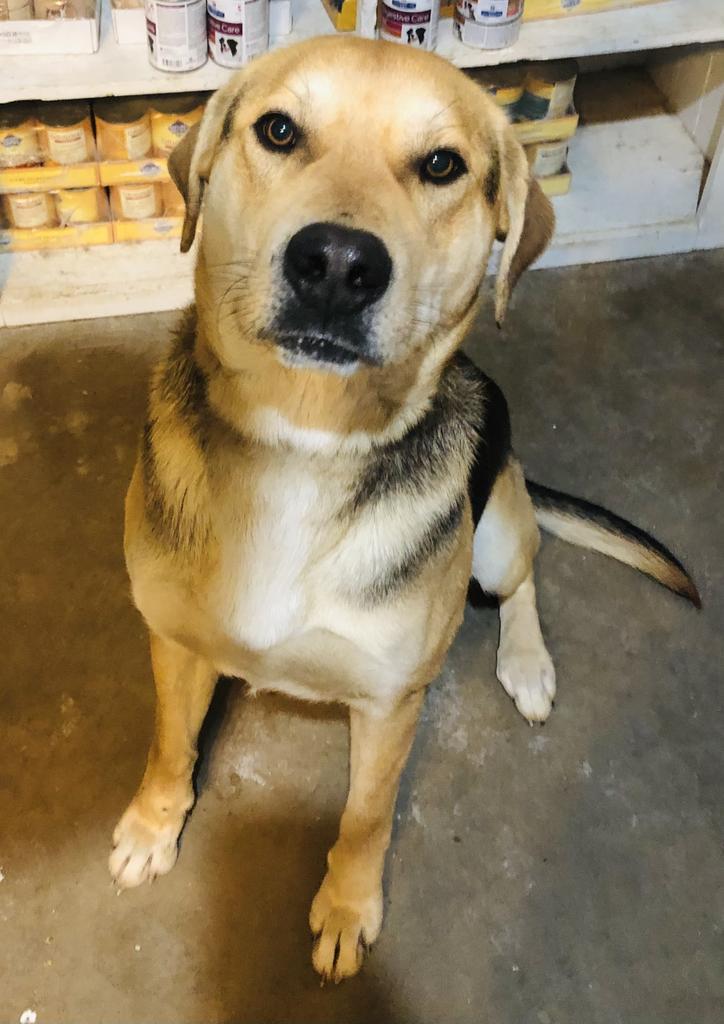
x,y
634,193
124,70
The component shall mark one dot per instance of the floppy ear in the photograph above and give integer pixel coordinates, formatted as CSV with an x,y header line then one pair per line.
x,y
525,219
191,161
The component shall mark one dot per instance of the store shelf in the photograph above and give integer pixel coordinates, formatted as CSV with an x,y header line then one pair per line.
x,y
634,193
122,71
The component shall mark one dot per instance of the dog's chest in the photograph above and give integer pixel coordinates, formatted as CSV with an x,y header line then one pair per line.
x,y
263,588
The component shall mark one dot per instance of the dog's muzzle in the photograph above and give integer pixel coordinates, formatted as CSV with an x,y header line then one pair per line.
x,y
336,275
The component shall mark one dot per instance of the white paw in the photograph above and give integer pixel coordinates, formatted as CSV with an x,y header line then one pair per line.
x,y
142,851
528,676
344,932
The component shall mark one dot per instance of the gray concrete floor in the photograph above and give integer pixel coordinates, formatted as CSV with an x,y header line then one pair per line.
x,y
564,875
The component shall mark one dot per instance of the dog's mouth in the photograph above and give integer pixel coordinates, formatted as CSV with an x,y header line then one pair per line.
x,y
300,347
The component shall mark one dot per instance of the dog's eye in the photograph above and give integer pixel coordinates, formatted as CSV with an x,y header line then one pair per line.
x,y
442,166
277,132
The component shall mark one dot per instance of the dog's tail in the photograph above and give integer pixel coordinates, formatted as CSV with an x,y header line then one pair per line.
x,y
590,526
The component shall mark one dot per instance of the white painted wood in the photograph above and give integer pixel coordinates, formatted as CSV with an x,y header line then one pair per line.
x,y
118,71
635,188
693,83
631,174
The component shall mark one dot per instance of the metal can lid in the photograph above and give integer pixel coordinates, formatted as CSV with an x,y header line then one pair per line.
x,y
553,71
12,115
510,76
177,103
62,114
122,110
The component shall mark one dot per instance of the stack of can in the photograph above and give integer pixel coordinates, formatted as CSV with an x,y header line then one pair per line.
x,y
180,33
488,24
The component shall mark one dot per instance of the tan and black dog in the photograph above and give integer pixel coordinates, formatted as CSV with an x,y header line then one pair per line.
x,y
321,472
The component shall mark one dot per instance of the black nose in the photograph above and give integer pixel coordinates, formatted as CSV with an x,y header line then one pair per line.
x,y
336,270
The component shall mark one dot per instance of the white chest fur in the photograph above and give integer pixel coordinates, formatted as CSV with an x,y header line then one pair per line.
x,y
261,590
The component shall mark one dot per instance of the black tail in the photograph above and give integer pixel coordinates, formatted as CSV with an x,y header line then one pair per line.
x,y
590,526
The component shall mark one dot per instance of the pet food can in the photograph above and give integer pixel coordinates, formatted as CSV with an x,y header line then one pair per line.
x,y
16,10
19,144
176,34
173,201
171,118
548,90
411,22
488,24
123,128
66,135
136,201
78,205
504,85
238,30
31,210
546,158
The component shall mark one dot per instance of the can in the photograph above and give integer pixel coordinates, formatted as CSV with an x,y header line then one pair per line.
x,y
136,201
66,135
31,210
546,158
505,85
19,143
123,128
176,34
548,89
411,22
488,24
78,205
171,117
238,30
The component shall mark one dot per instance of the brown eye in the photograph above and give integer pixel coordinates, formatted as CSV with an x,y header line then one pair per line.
x,y
277,132
442,166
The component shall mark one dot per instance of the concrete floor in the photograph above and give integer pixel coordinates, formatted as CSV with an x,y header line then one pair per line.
x,y
564,875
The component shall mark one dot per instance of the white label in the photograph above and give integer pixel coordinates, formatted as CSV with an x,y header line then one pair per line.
x,y
176,34
491,12
561,99
411,22
238,30
138,140
137,202
549,159
67,145
30,211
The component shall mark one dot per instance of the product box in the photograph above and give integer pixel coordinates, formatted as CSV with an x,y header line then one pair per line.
x,y
120,172
64,217
48,177
61,35
556,184
536,9
149,229
343,14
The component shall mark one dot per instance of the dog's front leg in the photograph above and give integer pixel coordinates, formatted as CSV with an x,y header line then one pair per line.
x,y
346,914
145,839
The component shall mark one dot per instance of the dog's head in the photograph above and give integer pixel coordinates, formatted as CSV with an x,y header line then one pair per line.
x,y
352,192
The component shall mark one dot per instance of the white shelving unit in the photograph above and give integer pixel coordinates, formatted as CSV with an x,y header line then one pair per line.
x,y
637,185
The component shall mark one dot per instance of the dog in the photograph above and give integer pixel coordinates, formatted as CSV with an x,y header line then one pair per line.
x,y
322,472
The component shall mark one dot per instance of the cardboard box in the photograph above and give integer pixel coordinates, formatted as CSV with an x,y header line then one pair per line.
x,y
551,130
342,13
120,172
537,9
143,230
27,239
47,177
65,35
556,184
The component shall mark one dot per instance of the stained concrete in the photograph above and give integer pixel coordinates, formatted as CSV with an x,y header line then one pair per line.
x,y
564,875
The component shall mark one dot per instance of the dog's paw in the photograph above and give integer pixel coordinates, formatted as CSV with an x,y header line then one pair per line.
x,y
344,931
142,851
528,676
